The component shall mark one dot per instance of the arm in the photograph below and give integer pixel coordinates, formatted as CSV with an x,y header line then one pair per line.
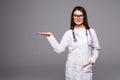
x,y
95,50
96,47
58,48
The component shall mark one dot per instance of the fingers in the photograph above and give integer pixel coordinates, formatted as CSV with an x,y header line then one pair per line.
x,y
39,33
89,63
86,65
44,33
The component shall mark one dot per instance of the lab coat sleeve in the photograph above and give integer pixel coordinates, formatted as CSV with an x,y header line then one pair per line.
x,y
96,46
59,47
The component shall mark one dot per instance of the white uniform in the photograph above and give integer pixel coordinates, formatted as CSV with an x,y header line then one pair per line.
x,y
79,52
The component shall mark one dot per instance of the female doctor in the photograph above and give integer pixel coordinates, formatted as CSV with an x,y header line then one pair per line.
x,y
82,43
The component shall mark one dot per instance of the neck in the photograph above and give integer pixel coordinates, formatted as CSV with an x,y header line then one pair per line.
x,y
79,26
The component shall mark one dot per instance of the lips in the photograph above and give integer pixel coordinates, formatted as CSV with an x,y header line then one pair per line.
x,y
78,20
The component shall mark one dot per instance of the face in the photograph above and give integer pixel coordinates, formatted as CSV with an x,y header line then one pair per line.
x,y
78,17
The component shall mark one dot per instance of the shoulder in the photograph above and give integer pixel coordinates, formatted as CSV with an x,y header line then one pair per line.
x,y
68,31
92,30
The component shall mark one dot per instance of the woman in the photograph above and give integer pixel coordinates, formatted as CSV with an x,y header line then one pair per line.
x,y
82,43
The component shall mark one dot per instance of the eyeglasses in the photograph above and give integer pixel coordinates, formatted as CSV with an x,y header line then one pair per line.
x,y
78,16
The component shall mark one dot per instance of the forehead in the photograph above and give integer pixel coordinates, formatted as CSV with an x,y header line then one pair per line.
x,y
78,12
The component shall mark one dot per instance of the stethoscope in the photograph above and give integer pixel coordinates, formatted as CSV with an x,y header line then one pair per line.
x,y
75,39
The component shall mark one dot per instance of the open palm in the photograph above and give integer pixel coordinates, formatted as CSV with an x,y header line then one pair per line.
x,y
44,33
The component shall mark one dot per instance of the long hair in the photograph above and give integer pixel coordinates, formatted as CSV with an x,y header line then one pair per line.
x,y
85,22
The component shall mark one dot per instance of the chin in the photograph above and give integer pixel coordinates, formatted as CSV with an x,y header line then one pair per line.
x,y
79,24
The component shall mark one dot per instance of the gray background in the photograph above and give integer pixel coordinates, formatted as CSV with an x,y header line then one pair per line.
x,y
27,56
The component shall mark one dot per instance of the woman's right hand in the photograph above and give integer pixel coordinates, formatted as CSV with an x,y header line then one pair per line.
x,y
44,33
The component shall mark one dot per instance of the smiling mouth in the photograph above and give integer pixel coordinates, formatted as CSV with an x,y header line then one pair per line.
x,y
78,20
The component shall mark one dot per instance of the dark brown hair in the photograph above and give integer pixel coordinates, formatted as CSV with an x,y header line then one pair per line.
x,y
85,22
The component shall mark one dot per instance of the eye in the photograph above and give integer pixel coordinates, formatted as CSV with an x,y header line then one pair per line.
x,y
78,16
75,15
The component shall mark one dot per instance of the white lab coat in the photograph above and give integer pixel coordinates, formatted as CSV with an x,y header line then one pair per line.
x,y
79,52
